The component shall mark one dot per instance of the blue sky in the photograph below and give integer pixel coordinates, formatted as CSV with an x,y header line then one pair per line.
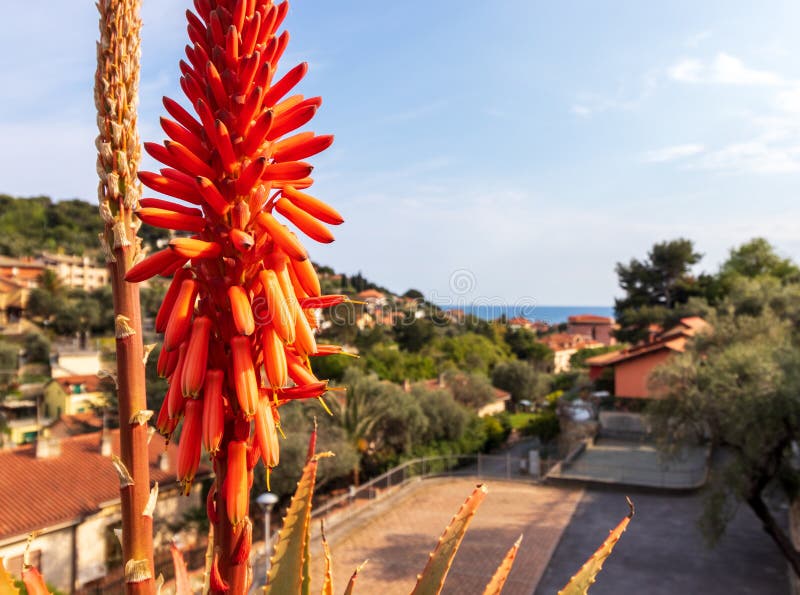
x,y
501,151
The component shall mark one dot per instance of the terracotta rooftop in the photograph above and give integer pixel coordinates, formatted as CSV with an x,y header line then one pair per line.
x,y
565,341
39,493
673,339
589,319
371,293
89,382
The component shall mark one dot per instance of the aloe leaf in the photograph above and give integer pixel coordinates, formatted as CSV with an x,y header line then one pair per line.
x,y
327,583
6,582
286,573
431,581
495,585
580,583
351,584
182,585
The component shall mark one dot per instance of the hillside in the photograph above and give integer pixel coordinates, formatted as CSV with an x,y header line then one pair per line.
x,y
31,225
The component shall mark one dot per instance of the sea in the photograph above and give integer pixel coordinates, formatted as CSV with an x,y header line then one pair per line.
x,y
548,314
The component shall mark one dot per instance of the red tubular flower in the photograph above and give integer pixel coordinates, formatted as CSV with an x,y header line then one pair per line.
x,y
235,153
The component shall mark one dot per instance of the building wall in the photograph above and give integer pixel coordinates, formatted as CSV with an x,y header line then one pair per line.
x,y
603,333
92,539
561,360
56,555
631,376
77,364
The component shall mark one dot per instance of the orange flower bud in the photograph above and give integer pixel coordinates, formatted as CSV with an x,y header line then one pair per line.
x,y
274,357
266,434
167,361
194,248
153,265
309,391
301,147
241,551
298,371
304,222
286,83
324,301
158,203
182,135
162,318
174,396
241,240
304,342
189,445
171,220
211,195
181,316
241,310
244,375
194,368
236,495
279,313
34,583
313,206
307,277
287,242
216,582
213,411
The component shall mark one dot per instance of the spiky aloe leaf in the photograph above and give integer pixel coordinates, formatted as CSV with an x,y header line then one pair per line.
x,y
6,582
495,585
431,581
580,583
351,584
287,568
306,588
182,585
327,582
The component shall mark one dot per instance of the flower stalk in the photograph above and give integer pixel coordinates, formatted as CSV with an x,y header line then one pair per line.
x,y
116,96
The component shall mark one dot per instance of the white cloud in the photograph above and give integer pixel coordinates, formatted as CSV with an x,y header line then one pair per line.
x,y
724,69
754,156
686,71
673,153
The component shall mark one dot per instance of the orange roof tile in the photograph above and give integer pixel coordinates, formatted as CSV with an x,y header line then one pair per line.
x,y
40,493
589,319
371,293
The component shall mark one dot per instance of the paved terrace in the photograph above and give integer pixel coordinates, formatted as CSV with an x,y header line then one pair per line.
x,y
397,534
635,464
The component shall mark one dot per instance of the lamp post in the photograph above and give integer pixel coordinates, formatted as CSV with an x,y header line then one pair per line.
x,y
267,500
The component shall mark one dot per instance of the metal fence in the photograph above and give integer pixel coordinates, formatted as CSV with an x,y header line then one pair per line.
x,y
505,467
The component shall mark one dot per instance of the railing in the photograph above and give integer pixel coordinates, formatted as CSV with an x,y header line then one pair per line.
x,y
507,467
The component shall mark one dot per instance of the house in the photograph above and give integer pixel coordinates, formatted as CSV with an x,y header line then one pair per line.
x,y
564,346
372,298
599,328
20,421
68,362
70,395
67,492
633,367
77,272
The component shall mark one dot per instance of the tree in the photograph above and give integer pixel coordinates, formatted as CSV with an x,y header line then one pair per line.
x,y
654,286
471,390
739,385
412,334
757,258
521,380
524,345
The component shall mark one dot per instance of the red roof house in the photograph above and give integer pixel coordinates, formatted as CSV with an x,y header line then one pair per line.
x,y
633,367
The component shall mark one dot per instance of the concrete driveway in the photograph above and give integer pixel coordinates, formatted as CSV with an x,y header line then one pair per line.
x,y
663,553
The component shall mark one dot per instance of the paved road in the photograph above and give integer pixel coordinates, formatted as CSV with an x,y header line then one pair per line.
x,y
662,553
